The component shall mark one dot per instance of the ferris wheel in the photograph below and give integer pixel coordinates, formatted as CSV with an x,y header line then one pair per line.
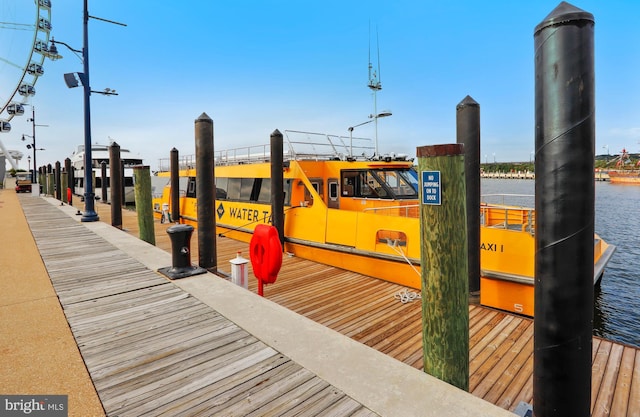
x,y
24,39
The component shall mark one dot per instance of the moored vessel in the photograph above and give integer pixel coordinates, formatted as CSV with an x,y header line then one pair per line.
x,y
347,207
100,154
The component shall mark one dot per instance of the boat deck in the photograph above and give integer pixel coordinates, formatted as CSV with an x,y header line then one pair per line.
x,y
368,311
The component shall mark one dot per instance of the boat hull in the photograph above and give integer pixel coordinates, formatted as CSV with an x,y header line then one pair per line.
x,y
625,177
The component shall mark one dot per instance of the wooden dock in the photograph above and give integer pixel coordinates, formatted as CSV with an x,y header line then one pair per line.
x,y
153,349
369,311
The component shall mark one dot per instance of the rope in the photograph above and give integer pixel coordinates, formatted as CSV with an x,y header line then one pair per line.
x,y
406,296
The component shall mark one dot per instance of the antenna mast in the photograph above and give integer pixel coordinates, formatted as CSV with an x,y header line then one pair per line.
x,y
374,83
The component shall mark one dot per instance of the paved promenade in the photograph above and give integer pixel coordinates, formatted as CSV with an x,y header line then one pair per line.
x,y
38,354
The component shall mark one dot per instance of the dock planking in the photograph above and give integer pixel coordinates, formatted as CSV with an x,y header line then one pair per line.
x,y
365,309
153,349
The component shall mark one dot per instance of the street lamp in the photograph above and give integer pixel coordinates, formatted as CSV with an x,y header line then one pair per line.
x,y
34,177
89,214
374,118
32,145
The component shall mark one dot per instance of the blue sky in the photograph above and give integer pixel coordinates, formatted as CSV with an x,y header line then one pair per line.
x,y
257,66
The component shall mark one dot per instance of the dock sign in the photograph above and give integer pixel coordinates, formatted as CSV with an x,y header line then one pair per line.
x,y
431,189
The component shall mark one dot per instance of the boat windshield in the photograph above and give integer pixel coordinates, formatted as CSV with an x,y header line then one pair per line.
x,y
387,183
403,183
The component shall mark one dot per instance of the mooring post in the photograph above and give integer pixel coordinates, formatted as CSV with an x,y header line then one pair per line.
x,y
277,184
175,186
50,180
103,181
205,193
564,203
468,133
115,185
444,257
144,204
58,185
67,180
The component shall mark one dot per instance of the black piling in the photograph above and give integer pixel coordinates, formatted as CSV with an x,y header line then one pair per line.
x,y
115,185
205,193
58,181
69,181
50,180
565,193
277,184
103,176
468,133
175,186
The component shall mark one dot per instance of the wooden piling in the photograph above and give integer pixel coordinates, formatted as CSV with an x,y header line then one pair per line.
x,y
445,284
144,205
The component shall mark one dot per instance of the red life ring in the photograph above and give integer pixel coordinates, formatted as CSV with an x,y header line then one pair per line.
x,y
265,252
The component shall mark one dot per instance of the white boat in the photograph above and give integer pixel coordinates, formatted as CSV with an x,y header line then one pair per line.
x,y
99,154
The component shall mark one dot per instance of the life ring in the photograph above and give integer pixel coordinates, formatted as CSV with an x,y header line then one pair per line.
x,y
265,252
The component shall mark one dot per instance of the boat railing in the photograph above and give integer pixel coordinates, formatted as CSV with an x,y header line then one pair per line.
x,y
516,214
409,210
298,145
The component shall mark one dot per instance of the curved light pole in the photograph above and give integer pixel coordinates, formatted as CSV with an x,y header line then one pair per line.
x,y
374,118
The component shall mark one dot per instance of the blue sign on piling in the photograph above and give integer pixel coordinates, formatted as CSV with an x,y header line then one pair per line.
x,y
431,188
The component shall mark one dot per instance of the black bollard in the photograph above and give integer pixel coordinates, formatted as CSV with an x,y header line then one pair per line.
x,y
103,176
69,181
205,193
115,185
58,181
564,202
175,186
277,184
181,266
468,133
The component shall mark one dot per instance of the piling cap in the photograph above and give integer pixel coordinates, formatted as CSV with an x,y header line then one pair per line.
x,y
468,101
564,14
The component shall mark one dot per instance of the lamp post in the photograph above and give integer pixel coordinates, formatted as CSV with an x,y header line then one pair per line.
x,y
89,214
32,145
34,177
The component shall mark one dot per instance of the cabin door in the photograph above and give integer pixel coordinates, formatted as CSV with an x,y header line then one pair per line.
x,y
334,193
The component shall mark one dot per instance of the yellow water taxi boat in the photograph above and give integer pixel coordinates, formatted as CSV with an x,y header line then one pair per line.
x,y
359,213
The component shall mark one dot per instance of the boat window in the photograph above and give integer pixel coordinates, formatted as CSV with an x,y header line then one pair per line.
x,y
265,191
333,191
221,188
246,188
362,183
233,189
128,181
401,183
191,187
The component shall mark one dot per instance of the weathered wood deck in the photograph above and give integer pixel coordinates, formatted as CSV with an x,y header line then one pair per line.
x,y
153,349
365,309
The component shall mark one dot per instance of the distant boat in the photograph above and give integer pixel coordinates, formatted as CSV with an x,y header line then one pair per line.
x,y
622,174
99,154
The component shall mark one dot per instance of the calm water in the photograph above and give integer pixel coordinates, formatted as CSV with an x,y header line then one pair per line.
x,y
617,300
